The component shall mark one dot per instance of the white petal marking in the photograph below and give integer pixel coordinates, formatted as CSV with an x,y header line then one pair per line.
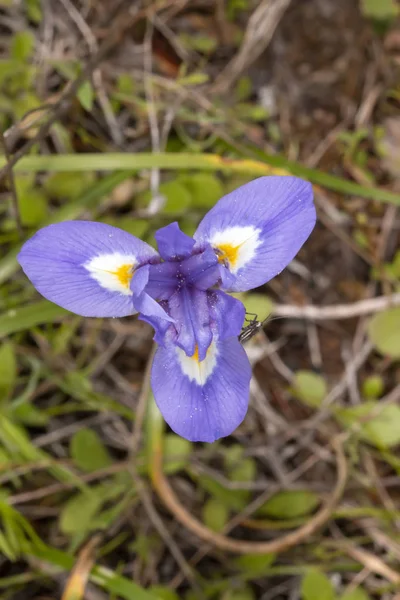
x,y
113,271
198,371
236,245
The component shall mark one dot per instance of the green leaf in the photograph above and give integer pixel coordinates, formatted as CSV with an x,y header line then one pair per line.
x,y
67,185
196,78
78,512
30,415
245,471
381,10
34,10
22,45
290,504
8,370
310,388
255,564
245,593
256,304
115,584
357,594
88,451
86,95
33,207
244,88
215,514
176,454
135,227
382,430
164,593
372,387
383,330
178,198
316,586
26,317
205,188
232,499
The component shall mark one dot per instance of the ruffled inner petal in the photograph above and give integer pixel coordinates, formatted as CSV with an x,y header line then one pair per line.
x,y
150,310
189,308
201,270
172,243
227,313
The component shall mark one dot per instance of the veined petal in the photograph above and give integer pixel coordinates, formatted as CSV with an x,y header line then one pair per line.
x,y
201,270
202,400
189,308
259,228
172,243
85,267
227,313
150,310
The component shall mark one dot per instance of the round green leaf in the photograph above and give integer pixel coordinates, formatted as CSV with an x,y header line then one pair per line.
x,y
215,514
373,387
357,594
379,426
289,504
384,332
78,512
88,451
310,388
206,189
316,586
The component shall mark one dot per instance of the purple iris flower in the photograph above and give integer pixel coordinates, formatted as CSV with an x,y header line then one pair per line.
x,y
200,374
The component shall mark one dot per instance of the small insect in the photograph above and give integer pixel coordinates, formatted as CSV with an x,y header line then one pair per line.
x,y
251,329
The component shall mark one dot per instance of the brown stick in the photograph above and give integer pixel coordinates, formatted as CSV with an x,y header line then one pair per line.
x,y
169,498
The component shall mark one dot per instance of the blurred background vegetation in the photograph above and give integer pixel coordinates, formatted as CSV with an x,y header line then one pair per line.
x,y
138,113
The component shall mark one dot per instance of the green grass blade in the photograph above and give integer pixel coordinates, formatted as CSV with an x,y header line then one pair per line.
x,y
266,165
103,577
25,317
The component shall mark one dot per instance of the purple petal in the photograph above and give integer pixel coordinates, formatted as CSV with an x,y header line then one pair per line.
x,y
201,270
189,308
259,228
227,313
172,243
150,310
85,267
163,280
202,401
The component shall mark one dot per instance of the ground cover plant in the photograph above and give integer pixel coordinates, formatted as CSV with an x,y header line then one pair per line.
x,y
140,114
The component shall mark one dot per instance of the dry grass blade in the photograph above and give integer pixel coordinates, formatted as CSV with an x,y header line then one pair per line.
x,y
260,29
170,499
76,584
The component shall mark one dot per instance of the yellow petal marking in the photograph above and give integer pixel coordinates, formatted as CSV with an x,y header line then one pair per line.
x,y
229,253
124,274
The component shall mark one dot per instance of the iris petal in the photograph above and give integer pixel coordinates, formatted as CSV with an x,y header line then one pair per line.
x,y
85,267
189,308
227,313
202,401
258,229
172,243
150,310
